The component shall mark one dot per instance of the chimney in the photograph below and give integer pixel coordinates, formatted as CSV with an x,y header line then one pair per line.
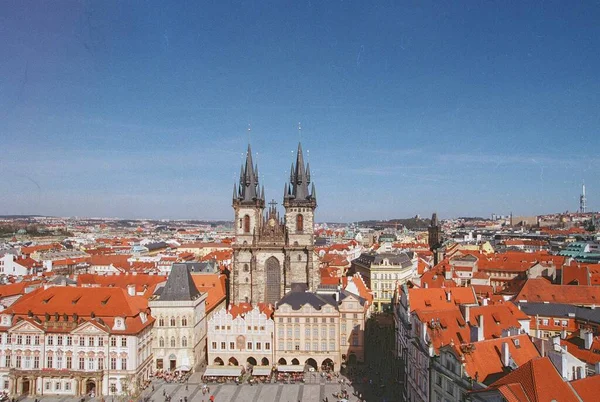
x,y
480,333
484,302
448,296
467,313
563,333
505,354
424,331
588,338
131,290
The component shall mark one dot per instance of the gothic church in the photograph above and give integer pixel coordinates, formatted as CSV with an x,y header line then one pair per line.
x,y
270,253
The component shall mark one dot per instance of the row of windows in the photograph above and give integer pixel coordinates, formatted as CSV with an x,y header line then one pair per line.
x,y
387,276
314,319
307,346
354,340
58,386
173,342
249,346
61,340
307,332
557,323
90,363
172,321
223,327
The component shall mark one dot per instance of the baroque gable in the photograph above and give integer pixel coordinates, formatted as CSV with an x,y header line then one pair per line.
x,y
26,326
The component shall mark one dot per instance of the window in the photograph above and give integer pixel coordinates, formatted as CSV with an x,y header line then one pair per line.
x,y
307,346
307,332
27,339
214,345
280,332
124,342
297,347
161,342
184,322
100,341
354,339
57,385
161,322
81,363
315,332
343,341
18,361
69,340
7,361
289,332
113,363
323,346
267,346
59,340
246,224
223,346
450,387
124,364
299,223
184,342
173,324
100,363
49,362
231,346
289,346
48,384
36,340
113,341
91,341
249,346
544,322
316,346
19,339
331,346
69,362
90,364
323,332
258,345
50,340
172,341
297,332
331,332
59,362
68,386
344,327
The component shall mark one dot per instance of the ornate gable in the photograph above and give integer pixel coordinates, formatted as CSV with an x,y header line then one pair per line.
x,y
26,326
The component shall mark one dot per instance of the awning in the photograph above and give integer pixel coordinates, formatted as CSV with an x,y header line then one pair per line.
x,y
184,368
290,368
223,371
261,370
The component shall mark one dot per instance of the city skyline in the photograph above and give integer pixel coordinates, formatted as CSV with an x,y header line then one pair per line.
x,y
141,111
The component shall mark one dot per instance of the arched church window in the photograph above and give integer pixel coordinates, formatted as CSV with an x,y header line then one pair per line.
x,y
161,322
299,223
247,224
184,342
173,322
184,322
172,341
246,268
161,342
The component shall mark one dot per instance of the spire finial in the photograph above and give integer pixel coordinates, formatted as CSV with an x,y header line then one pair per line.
x,y
299,131
249,129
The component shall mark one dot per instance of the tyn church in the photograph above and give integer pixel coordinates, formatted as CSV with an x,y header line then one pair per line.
x,y
270,253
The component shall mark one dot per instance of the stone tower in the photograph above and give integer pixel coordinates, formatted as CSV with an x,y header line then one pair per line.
x,y
435,238
271,253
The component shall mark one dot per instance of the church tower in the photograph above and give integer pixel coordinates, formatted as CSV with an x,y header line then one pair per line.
x,y
300,205
435,239
270,253
248,205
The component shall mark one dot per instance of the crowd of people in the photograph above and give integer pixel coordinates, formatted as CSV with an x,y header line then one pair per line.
x,y
172,376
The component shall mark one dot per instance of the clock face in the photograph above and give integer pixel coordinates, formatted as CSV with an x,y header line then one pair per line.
x,y
271,222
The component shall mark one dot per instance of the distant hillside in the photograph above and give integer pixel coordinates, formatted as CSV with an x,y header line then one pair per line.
x,y
410,223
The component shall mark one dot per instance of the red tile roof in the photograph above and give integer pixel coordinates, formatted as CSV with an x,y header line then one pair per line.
x,y
541,290
436,298
214,285
587,388
540,382
497,318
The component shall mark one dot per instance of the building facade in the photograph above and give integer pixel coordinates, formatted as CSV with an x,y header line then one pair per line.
x,y
241,335
180,328
270,252
97,343
322,329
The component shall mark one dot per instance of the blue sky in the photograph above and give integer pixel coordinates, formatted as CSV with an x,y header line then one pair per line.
x,y
140,109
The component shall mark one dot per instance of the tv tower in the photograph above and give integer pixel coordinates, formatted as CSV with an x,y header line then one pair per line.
x,y
582,200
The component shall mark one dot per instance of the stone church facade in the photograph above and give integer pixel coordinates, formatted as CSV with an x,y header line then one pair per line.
x,y
270,252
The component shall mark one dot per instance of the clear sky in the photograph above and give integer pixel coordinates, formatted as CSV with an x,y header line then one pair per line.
x,y
140,109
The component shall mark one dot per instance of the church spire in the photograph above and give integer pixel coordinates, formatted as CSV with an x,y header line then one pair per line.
x,y
299,181
249,187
